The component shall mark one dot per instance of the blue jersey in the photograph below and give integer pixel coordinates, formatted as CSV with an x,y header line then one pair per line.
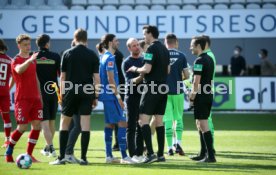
x,y
178,62
107,63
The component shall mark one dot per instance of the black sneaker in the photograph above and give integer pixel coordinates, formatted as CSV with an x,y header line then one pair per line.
x,y
115,147
170,152
197,157
150,158
83,162
179,150
161,159
208,160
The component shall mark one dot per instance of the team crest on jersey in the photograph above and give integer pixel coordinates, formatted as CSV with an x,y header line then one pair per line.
x,y
110,64
173,60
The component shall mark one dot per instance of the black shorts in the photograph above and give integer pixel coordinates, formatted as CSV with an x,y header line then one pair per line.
x,y
153,104
50,105
76,104
202,109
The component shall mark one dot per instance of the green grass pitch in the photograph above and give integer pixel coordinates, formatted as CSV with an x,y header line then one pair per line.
x,y
245,145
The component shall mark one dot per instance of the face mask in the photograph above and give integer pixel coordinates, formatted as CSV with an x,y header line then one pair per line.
x,y
260,55
236,52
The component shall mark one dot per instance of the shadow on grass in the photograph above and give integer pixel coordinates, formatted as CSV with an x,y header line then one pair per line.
x,y
187,165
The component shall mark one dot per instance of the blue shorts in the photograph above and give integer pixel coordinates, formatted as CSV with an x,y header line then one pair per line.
x,y
113,113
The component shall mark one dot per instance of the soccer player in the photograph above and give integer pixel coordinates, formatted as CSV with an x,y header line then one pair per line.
x,y
79,71
28,102
202,97
48,69
154,98
112,101
5,77
175,103
133,80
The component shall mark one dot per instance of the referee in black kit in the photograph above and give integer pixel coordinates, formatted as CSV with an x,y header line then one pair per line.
x,y
154,98
79,71
201,96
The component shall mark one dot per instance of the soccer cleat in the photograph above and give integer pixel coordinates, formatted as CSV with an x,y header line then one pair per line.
x,y
83,162
170,152
179,150
208,160
127,160
9,158
111,160
58,161
150,159
5,145
138,159
52,151
161,159
197,157
44,152
34,160
71,159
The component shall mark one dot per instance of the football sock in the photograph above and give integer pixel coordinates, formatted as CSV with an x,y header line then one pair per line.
x,y
160,130
209,144
85,138
7,124
169,133
202,145
108,141
15,136
211,127
147,137
63,139
122,141
179,130
33,137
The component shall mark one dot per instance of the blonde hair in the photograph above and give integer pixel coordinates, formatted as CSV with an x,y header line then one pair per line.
x,y
22,37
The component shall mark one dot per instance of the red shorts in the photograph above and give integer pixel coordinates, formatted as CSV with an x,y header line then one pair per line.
x,y
5,103
28,110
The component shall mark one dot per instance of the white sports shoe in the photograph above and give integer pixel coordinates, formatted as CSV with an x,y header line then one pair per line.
x,y
53,154
71,159
127,160
138,159
112,160
44,152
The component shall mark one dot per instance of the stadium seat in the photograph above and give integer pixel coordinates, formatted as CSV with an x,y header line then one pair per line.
x,y
164,2
238,1
18,2
256,1
204,7
179,2
111,2
125,7
141,7
206,1
77,7
55,2
157,7
253,6
269,1
109,7
11,7
222,1
145,2
60,7
44,7
93,7
269,6
188,7
37,2
236,6
3,3
173,7
190,2
79,2
95,2
28,7
128,2
220,6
